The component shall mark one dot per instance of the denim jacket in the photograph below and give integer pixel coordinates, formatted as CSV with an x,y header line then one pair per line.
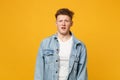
x,y
47,63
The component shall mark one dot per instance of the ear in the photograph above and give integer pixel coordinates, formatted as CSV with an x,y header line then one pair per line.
x,y
71,23
56,23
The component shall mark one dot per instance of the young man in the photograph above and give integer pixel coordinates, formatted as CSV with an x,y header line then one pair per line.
x,y
61,56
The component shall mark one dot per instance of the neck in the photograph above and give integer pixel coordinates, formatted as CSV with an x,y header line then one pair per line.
x,y
64,37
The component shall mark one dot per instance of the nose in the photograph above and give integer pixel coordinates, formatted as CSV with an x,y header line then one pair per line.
x,y
63,23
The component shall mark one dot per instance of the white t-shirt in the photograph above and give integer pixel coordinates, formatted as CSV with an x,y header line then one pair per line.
x,y
64,53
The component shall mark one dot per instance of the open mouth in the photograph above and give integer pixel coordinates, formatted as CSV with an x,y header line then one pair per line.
x,y
63,27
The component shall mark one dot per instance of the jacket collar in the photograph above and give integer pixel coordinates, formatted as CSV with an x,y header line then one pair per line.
x,y
75,41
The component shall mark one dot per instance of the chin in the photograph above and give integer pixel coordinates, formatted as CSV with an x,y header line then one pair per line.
x,y
64,33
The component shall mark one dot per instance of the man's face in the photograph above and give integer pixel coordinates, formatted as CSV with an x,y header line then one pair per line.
x,y
63,23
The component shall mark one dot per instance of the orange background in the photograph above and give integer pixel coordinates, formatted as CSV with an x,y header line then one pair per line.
x,y
25,23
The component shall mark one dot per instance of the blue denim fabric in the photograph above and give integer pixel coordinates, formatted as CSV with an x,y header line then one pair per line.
x,y
47,63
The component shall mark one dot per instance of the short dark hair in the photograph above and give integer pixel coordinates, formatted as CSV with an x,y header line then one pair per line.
x,y
64,11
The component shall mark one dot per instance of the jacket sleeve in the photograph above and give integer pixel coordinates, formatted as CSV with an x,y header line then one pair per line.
x,y
39,68
82,71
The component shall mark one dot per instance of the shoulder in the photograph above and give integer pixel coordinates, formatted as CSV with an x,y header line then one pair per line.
x,y
79,44
78,41
47,41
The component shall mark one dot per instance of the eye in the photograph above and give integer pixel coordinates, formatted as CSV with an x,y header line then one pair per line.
x,y
59,20
67,20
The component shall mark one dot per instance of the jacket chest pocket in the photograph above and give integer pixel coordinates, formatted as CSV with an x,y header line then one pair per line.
x,y
48,56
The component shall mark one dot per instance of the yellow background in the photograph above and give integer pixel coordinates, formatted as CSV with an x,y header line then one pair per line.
x,y
25,23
